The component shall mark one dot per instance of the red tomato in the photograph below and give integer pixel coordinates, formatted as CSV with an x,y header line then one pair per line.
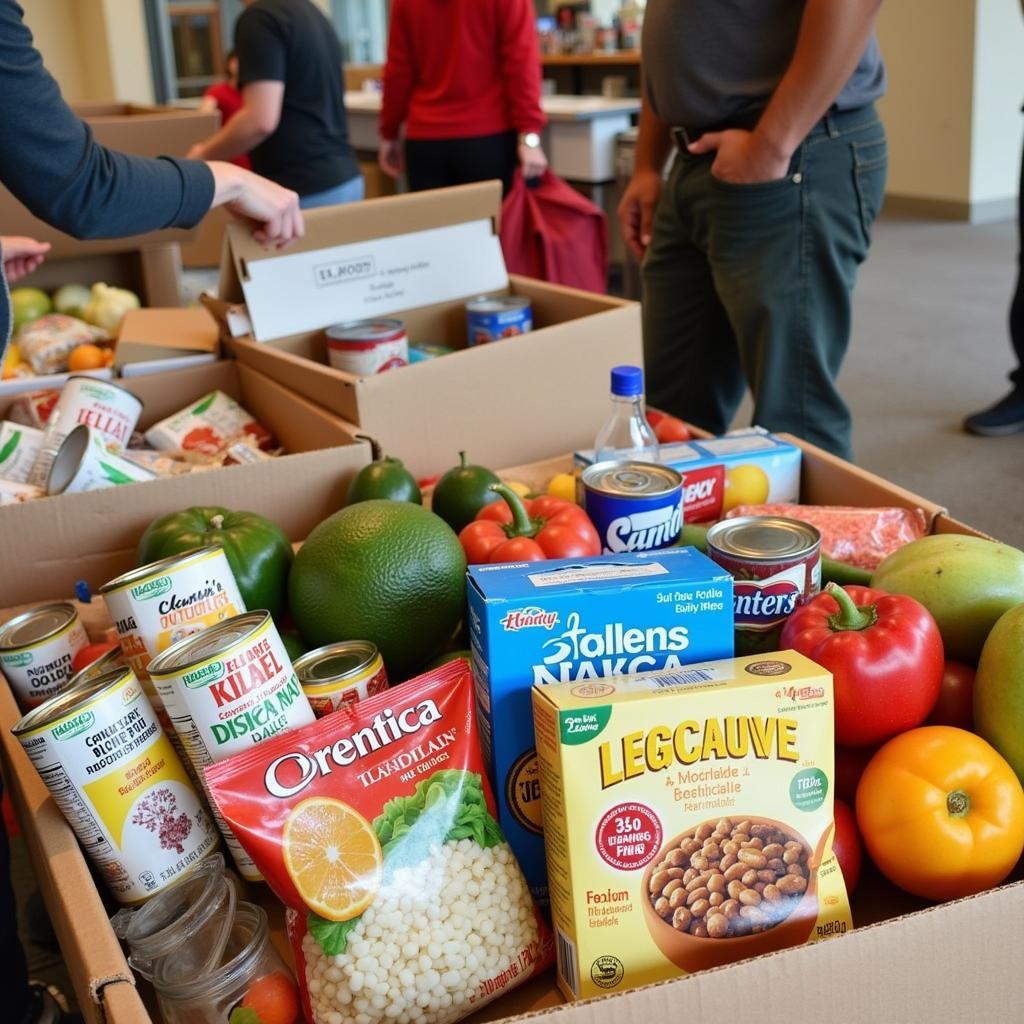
x,y
956,698
88,654
850,765
273,999
654,417
669,429
846,845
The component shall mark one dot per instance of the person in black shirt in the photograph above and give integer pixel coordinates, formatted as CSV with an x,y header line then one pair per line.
x,y
292,122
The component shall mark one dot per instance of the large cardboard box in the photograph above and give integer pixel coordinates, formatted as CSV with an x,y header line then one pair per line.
x,y
139,130
905,963
420,257
49,544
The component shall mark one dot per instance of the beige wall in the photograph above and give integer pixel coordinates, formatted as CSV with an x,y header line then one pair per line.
x,y
53,27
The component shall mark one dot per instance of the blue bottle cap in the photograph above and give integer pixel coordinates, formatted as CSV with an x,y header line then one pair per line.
x,y
627,381
82,592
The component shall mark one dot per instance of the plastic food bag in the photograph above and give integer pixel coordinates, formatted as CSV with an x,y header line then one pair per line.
x,y
375,826
208,426
46,343
857,536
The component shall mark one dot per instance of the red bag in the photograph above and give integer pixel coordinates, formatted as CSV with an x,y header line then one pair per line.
x,y
550,232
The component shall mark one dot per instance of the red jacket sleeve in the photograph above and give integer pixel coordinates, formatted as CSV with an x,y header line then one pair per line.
x,y
399,75
520,64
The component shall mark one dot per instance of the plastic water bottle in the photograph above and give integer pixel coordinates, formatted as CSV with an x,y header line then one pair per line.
x,y
627,435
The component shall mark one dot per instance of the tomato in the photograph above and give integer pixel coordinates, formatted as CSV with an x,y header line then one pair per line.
x,y
669,429
273,999
88,654
941,813
846,845
654,417
850,765
956,697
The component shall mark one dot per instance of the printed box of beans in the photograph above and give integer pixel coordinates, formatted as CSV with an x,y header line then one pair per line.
x,y
688,818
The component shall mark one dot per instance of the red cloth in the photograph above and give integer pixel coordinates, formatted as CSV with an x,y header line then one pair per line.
x,y
549,231
461,68
229,103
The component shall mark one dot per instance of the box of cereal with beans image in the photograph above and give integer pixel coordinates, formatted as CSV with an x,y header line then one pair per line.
x,y
688,818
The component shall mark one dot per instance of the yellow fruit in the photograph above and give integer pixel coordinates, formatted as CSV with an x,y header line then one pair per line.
x,y
86,357
333,858
745,485
518,486
12,360
563,486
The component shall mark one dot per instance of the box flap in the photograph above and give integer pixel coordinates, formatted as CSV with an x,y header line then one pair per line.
x,y
165,333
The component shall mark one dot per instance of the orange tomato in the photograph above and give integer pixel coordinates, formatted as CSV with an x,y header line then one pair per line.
x,y
273,999
86,357
941,813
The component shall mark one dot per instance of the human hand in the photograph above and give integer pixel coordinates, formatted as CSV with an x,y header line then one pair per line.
x,y
21,255
532,161
636,210
390,157
742,157
272,210
195,153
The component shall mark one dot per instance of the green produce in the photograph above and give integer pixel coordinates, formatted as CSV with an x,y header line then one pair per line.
x,y
385,477
258,551
386,571
71,299
443,659
294,645
107,306
28,304
967,583
999,689
462,492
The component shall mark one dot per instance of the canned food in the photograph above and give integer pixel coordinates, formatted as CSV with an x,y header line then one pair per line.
x,y
114,658
366,347
634,506
110,769
12,493
225,690
85,463
108,409
491,318
340,675
19,448
37,649
776,563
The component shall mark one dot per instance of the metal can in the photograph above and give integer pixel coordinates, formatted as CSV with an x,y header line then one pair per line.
x,y
634,506
113,659
15,494
107,408
85,463
776,565
340,675
366,347
19,448
113,773
494,317
37,649
226,689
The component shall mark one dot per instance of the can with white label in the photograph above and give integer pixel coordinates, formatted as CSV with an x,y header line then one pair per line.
x,y
85,463
37,649
227,689
113,773
340,675
366,347
107,408
12,493
19,448
114,658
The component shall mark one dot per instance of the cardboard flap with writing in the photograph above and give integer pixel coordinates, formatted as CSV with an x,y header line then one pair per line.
x,y
163,333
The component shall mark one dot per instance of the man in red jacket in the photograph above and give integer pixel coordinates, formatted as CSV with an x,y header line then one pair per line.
x,y
463,76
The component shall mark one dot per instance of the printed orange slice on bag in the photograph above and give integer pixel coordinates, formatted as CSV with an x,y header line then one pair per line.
x,y
333,857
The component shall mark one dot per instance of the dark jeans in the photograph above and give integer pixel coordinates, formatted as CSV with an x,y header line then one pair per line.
x,y
13,972
1017,305
438,163
752,284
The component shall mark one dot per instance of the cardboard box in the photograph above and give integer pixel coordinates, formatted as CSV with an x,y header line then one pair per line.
x,y
420,257
905,963
49,544
139,130
165,334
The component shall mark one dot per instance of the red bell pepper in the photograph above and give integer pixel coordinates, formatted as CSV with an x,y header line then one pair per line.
x,y
884,652
515,530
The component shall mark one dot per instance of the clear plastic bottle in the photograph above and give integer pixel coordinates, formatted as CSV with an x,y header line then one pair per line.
x,y
627,435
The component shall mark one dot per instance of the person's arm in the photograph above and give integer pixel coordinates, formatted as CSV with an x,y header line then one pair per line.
x,y
832,38
255,121
208,105
399,78
636,210
519,60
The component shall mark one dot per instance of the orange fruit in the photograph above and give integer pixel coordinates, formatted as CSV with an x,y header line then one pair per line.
x,y
273,999
86,357
745,485
333,857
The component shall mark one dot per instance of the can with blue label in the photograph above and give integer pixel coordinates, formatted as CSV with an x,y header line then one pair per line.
x,y
634,506
492,318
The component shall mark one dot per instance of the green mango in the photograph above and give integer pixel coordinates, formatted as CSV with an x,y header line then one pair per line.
x,y
999,689
967,583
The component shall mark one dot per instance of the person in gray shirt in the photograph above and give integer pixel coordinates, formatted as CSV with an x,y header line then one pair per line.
x,y
750,248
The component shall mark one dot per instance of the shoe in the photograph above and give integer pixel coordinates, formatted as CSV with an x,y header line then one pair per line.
x,y
1005,417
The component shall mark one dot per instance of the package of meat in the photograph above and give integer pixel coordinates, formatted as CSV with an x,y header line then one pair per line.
x,y
208,426
856,536
46,343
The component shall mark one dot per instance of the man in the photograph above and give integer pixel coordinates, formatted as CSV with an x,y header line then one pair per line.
x,y
751,247
292,122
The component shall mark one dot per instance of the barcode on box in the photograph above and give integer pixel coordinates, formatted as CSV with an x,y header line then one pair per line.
x,y
566,952
669,679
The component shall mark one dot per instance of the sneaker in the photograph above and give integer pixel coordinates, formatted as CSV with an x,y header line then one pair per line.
x,y
1005,417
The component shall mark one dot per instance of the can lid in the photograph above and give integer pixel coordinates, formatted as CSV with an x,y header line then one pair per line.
x,y
70,698
334,662
210,643
367,330
34,626
627,381
143,572
763,537
497,304
631,479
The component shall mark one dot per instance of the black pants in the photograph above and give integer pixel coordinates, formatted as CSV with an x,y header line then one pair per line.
x,y
1017,306
13,973
438,163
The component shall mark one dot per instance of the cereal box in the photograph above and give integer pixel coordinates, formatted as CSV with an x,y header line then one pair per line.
x,y
748,467
573,620
688,818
